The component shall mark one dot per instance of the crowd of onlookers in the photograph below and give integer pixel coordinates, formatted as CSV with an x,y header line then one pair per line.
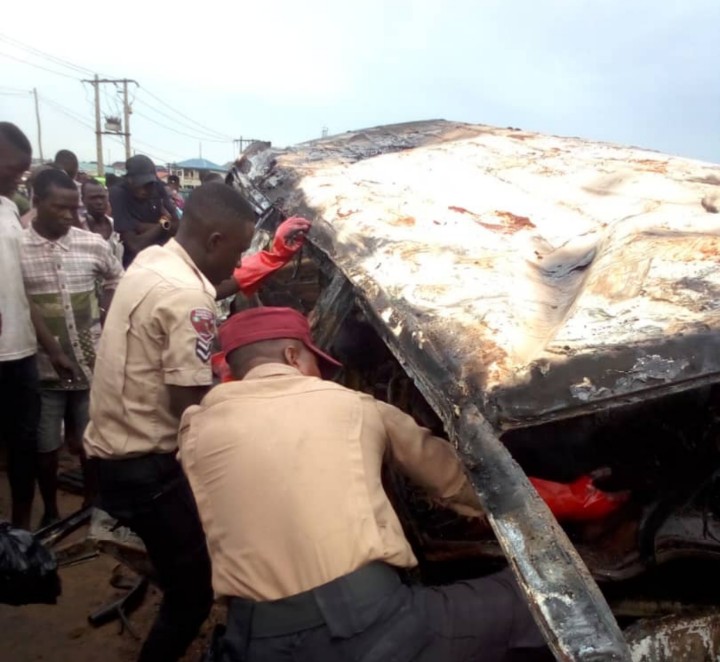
x,y
66,238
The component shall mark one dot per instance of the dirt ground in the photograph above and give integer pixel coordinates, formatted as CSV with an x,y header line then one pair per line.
x,y
61,632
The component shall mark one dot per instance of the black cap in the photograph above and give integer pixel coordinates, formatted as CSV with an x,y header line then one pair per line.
x,y
140,170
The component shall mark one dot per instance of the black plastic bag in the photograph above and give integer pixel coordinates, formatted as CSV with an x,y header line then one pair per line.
x,y
28,571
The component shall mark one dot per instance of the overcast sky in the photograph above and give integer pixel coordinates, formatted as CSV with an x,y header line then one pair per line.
x,y
638,72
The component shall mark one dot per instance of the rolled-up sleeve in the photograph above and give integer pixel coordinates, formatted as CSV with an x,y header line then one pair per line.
x,y
429,461
187,324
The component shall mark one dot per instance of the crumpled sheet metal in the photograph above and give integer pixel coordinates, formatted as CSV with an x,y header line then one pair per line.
x,y
691,638
551,275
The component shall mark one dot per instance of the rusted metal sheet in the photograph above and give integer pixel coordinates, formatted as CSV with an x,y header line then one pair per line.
x,y
552,275
691,638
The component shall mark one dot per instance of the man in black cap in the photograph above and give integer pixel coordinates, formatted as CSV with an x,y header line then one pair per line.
x,y
143,212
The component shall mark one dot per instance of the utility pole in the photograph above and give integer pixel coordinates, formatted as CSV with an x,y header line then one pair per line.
x,y
126,112
96,82
39,128
98,128
242,143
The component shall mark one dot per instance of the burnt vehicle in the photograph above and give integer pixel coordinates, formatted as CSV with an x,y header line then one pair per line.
x,y
552,307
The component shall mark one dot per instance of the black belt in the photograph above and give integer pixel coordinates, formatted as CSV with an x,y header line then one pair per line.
x,y
148,467
303,611
142,476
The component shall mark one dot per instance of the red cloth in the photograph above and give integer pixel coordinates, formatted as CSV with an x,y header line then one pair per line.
x,y
578,501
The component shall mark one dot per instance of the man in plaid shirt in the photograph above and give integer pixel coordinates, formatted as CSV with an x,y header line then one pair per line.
x,y
61,265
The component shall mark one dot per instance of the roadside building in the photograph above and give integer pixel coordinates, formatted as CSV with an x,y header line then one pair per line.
x,y
193,171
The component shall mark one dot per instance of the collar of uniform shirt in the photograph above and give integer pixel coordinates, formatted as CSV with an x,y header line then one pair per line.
x,y
271,370
174,247
36,238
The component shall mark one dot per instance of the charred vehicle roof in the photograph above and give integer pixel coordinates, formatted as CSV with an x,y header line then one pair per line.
x,y
553,300
550,275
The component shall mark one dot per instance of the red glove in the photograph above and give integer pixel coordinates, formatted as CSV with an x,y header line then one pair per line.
x,y
578,501
289,239
290,236
220,368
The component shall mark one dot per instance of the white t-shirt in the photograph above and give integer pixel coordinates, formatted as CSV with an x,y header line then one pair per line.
x,y
17,335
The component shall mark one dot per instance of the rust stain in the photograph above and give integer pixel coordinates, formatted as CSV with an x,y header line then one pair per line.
x,y
515,221
407,221
510,222
652,165
710,250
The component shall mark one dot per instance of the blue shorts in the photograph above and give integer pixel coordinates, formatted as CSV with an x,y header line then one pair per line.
x,y
70,408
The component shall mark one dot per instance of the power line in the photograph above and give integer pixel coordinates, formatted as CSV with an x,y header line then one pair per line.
x,y
217,135
14,89
167,105
47,56
38,66
78,118
153,156
151,150
181,133
211,136
155,147
66,111
54,60
113,103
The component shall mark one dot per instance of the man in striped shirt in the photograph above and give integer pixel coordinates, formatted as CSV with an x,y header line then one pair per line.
x,y
61,265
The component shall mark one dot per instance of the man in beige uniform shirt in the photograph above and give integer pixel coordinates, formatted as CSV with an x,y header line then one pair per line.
x,y
286,472
152,362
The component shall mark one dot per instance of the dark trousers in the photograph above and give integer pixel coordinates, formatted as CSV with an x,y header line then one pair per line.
x,y
19,416
485,619
151,496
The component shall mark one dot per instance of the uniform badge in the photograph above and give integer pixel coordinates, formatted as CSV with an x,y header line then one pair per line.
x,y
203,321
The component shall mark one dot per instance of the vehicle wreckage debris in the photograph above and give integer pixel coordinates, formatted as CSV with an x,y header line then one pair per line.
x,y
602,304
122,608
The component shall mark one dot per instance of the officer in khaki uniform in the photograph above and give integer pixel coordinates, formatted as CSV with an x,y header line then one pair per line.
x,y
286,472
152,362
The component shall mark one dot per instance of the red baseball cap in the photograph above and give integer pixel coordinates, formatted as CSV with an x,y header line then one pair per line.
x,y
268,323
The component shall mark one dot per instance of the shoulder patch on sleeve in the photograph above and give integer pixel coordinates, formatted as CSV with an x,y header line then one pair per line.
x,y
203,321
